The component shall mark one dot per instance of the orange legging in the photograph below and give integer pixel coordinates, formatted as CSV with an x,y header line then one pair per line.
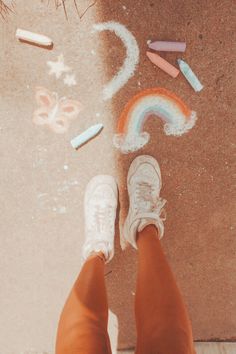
x,y
163,326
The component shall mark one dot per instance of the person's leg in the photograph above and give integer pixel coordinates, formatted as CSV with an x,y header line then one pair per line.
x,y
163,325
83,324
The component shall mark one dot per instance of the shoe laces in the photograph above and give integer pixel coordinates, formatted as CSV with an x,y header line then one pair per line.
x,y
159,208
101,218
145,201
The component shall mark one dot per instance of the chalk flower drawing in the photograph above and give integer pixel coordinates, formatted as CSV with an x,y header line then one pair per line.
x,y
178,118
54,112
58,67
131,61
70,80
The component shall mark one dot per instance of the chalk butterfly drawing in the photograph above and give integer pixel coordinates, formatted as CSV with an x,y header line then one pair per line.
x,y
53,111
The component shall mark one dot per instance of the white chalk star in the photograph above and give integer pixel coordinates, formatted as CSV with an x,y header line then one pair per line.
x,y
58,67
70,80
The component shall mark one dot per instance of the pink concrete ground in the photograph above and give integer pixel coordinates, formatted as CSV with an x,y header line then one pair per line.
x,y
43,178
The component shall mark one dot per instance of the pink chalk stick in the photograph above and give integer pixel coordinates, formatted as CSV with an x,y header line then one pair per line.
x,y
163,64
168,46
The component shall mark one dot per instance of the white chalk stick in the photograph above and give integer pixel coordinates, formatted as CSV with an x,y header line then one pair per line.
x,y
86,136
33,37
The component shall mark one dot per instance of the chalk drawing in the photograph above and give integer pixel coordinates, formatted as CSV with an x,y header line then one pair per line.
x,y
60,209
58,67
70,80
41,195
66,185
38,163
132,57
177,116
55,201
54,112
39,156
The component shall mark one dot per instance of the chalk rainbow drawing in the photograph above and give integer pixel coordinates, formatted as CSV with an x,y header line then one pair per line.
x,y
132,57
160,102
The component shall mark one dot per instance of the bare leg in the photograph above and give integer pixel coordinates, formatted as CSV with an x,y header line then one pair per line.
x,y
83,324
163,325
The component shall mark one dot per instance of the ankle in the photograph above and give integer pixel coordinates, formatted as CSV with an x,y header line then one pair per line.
x,y
150,231
97,254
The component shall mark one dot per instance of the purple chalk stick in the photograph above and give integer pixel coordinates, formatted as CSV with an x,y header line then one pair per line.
x,y
163,46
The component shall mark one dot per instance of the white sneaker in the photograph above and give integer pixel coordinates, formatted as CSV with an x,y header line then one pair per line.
x,y
100,205
145,204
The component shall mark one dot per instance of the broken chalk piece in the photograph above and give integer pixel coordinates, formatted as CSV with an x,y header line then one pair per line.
x,y
31,37
189,75
163,64
86,136
163,46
